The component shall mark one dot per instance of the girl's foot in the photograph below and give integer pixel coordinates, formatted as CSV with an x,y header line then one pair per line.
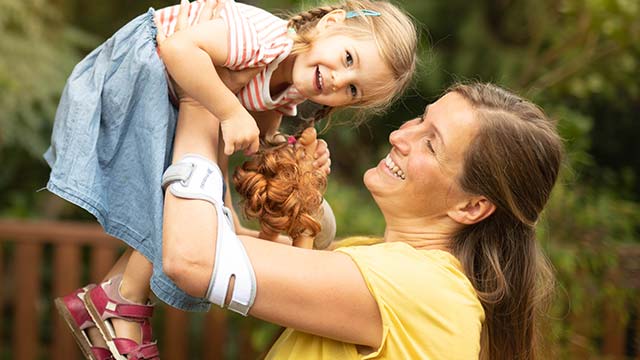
x,y
105,304
74,313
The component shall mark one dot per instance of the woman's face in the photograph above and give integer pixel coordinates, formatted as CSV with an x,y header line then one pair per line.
x,y
418,176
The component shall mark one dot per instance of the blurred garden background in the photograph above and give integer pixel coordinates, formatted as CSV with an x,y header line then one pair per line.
x,y
578,59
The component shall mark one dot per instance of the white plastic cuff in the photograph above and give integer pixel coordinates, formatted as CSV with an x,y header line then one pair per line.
x,y
196,177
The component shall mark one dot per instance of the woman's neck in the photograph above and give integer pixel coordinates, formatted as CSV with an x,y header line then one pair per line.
x,y
421,235
282,76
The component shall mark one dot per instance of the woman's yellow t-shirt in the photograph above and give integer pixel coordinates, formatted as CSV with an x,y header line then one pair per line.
x,y
428,306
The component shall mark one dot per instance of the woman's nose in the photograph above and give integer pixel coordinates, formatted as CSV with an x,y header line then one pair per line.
x,y
398,139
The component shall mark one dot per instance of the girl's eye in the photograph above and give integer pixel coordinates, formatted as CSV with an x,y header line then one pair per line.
x,y
354,90
349,59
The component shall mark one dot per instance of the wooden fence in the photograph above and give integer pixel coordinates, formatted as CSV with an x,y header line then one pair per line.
x,y
46,259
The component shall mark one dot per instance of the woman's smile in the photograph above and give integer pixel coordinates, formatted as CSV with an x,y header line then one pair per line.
x,y
394,169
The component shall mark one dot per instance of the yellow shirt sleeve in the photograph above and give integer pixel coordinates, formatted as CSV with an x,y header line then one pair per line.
x,y
429,308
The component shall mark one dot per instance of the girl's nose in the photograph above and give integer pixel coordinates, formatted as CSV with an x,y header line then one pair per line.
x,y
339,80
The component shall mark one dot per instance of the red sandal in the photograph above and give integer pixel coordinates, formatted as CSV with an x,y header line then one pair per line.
x,y
105,302
72,309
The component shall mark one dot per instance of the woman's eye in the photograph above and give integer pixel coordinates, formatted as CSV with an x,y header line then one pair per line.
x,y
349,59
354,90
430,146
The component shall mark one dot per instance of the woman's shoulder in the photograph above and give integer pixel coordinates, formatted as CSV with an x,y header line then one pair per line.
x,y
398,270
376,250
421,292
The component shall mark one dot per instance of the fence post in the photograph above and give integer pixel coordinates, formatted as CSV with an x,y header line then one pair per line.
x,y
214,334
615,325
66,278
102,260
176,333
28,262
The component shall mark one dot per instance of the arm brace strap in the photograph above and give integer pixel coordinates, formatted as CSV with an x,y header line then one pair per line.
x,y
196,177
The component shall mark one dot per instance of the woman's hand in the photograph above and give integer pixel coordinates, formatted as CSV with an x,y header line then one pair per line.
x,y
234,80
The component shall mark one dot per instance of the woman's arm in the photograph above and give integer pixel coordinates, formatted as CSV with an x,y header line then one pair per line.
x,y
319,292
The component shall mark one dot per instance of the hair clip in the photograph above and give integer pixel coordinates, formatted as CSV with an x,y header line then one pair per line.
x,y
291,140
363,12
291,31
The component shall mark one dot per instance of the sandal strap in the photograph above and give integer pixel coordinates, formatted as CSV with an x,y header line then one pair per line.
x,y
101,353
75,307
132,311
136,351
111,304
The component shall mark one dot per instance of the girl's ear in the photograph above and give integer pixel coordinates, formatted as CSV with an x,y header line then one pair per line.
x,y
334,17
472,211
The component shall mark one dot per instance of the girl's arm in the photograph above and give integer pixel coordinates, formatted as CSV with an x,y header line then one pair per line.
x,y
190,56
319,292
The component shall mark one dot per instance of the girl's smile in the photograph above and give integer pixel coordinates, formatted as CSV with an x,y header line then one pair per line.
x,y
339,70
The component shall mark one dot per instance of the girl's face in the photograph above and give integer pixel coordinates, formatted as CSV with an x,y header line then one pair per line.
x,y
339,71
418,178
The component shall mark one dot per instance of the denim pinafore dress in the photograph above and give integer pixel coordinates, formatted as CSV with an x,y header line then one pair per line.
x,y
112,140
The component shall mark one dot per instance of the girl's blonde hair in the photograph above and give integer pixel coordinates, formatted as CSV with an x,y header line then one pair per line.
x,y
393,32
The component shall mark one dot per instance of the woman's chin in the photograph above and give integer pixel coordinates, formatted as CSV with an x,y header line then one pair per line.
x,y
375,181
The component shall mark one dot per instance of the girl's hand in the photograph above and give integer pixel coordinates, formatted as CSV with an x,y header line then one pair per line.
x,y
240,132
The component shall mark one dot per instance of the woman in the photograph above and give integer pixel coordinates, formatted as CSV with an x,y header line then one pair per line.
x,y
458,274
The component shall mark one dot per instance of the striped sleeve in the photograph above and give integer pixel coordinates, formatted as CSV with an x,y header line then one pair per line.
x,y
252,95
168,17
256,37
288,105
288,109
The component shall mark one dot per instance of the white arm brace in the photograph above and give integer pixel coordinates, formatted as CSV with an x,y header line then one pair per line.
x,y
196,177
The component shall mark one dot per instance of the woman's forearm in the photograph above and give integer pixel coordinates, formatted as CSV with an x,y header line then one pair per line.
x,y
190,226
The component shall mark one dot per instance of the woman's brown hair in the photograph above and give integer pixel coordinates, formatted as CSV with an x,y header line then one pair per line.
x,y
514,161
281,188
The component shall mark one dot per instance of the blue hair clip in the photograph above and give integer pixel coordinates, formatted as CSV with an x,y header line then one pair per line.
x,y
363,12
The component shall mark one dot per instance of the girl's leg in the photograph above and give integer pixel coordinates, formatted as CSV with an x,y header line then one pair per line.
x,y
134,287
118,268
136,273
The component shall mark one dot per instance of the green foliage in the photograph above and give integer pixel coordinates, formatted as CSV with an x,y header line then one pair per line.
x,y
356,212
38,51
580,60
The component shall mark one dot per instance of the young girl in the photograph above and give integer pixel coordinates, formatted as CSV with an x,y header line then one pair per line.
x,y
114,127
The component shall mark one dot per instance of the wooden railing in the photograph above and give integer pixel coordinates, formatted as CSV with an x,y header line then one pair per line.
x,y
41,260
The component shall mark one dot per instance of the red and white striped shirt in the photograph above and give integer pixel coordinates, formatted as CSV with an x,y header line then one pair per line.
x,y
255,38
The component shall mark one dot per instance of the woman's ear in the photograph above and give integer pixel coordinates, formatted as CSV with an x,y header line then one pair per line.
x,y
472,211
334,17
